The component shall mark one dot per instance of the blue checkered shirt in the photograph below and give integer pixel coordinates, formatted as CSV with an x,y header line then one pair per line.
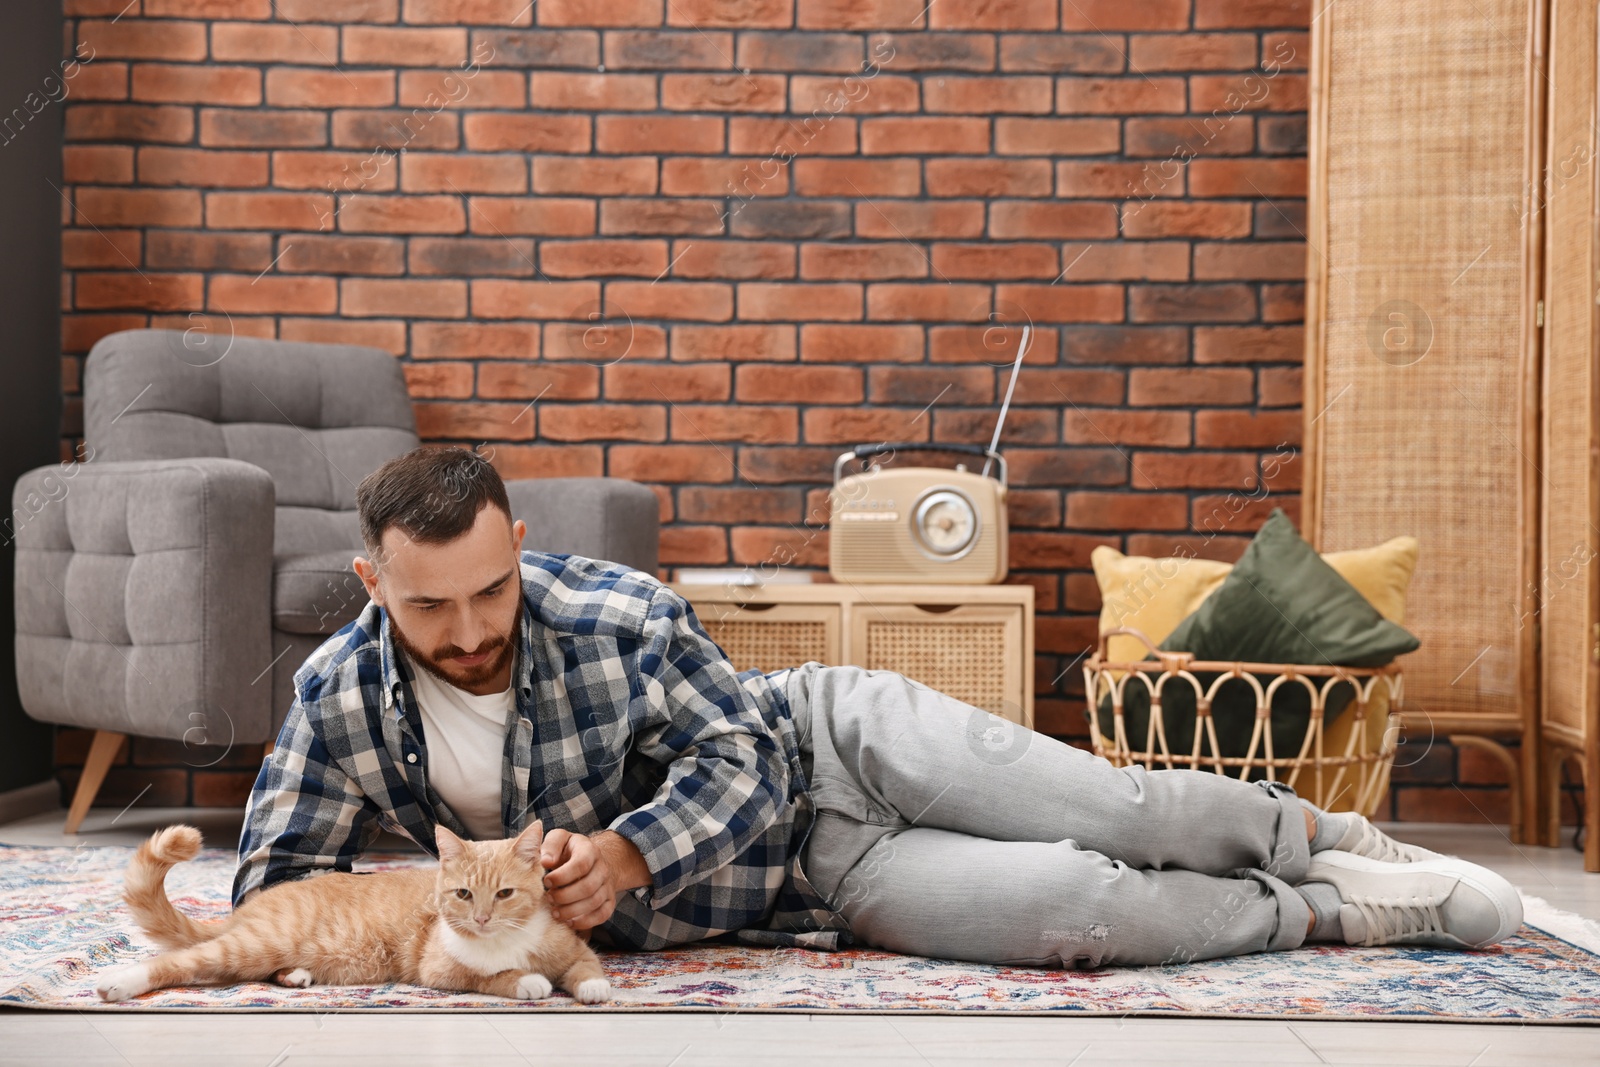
x,y
628,718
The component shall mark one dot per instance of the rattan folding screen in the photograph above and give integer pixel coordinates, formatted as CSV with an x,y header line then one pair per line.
x,y
1426,310
1569,628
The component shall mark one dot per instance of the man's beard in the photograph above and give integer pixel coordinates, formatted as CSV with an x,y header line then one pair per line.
x,y
469,676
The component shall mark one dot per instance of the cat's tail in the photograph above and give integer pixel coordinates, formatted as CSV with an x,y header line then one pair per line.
x,y
144,889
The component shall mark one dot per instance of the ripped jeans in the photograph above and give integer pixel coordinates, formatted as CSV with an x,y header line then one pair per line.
x,y
944,831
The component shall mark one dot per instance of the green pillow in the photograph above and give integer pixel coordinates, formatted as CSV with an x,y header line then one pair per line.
x,y
1281,603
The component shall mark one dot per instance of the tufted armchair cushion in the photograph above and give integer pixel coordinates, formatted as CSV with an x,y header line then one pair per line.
x,y
140,587
316,418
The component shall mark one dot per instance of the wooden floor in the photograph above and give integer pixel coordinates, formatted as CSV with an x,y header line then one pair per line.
x,y
666,1040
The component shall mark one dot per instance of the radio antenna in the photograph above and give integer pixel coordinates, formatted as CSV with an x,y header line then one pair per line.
x,y
1022,350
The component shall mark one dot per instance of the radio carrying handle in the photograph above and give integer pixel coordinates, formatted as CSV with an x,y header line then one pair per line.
x,y
863,451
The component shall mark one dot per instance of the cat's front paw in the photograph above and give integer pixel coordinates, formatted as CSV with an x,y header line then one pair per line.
x,y
295,977
592,991
533,987
124,982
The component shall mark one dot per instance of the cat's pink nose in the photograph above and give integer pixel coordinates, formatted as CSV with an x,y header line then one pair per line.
x,y
483,920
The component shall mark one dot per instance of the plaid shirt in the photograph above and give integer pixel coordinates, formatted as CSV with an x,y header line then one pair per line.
x,y
628,718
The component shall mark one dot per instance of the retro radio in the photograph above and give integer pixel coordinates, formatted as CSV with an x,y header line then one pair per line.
x,y
922,524
917,524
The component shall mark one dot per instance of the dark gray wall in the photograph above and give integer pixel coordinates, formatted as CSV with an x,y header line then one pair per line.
x,y
32,85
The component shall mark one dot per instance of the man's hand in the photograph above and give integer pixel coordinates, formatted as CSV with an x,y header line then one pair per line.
x,y
586,874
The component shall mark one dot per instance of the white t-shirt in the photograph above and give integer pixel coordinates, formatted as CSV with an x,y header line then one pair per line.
x,y
465,737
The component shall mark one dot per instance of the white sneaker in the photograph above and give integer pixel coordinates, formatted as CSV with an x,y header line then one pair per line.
x,y
1365,839
1446,902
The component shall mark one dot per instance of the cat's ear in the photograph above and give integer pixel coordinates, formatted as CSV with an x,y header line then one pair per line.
x,y
529,840
450,846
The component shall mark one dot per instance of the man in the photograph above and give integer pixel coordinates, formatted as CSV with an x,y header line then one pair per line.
x,y
485,686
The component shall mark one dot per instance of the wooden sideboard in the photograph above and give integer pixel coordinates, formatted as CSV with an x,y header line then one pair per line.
x,y
974,642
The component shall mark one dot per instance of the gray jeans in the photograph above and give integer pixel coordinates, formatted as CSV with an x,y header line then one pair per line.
x,y
945,831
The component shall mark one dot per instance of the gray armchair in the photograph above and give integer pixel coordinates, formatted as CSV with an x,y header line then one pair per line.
x,y
171,585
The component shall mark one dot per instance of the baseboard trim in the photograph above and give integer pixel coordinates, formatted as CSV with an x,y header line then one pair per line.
x,y
30,800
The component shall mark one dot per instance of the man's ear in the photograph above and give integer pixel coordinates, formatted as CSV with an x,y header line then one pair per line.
x,y
367,571
528,842
450,846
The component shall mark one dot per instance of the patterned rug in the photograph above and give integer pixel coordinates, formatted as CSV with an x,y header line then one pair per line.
x,y
61,922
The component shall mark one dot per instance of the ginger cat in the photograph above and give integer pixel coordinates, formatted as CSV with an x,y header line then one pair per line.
x,y
477,922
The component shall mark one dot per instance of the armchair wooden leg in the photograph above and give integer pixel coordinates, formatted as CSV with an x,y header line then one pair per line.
x,y
101,752
266,749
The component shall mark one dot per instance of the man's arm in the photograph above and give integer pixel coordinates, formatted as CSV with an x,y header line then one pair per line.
x,y
629,868
727,779
587,871
305,816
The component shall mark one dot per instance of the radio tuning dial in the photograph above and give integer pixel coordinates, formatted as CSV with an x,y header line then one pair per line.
x,y
946,522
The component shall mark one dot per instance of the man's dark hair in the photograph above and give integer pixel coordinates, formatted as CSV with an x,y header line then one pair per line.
x,y
433,494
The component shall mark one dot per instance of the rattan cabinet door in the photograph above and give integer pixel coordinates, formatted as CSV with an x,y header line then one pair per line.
x,y
973,652
773,636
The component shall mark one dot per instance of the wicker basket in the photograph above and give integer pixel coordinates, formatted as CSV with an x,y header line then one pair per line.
x,y
1355,778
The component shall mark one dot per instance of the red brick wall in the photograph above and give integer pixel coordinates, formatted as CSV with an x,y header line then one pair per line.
x,y
706,244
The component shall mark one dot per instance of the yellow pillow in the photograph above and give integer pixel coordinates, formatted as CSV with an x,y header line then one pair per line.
x,y
1382,574
1149,594
1155,594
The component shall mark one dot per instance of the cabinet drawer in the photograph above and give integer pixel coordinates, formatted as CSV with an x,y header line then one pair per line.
x,y
773,636
973,652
